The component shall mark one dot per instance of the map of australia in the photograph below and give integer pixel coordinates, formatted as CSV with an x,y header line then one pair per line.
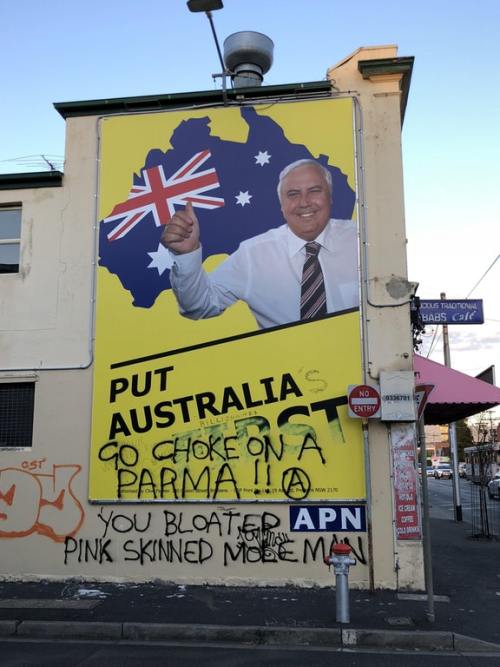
x,y
232,186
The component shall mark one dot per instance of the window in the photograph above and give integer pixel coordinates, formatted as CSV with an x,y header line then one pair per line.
x,y
10,238
17,400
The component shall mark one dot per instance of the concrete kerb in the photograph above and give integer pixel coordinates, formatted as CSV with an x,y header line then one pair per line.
x,y
93,630
250,634
464,644
401,639
348,638
8,628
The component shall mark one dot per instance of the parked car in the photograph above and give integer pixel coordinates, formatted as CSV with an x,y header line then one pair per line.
x,y
462,470
443,471
429,471
494,487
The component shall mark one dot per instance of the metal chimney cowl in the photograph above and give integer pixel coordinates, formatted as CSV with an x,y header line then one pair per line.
x,y
248,56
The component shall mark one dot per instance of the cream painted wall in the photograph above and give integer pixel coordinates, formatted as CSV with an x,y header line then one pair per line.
x,y
51,329
46,309
387,333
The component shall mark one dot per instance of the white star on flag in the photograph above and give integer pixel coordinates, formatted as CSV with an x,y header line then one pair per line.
x,y
262,158
161,259
243,198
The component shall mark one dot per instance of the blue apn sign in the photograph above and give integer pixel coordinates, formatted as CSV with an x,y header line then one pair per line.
x,y
451,311
331,518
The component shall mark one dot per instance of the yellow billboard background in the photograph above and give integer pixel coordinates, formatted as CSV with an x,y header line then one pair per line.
x,y
267,419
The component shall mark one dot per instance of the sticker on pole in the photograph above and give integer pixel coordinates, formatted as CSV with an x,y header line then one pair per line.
x,y
363,401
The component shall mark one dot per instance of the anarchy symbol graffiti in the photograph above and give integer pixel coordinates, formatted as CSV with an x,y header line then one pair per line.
x,y
295,483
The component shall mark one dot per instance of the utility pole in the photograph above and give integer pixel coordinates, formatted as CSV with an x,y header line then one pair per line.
x,y
452,432
429,585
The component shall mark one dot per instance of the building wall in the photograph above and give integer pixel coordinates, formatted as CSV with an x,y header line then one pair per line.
x,y
437,441
46,307
48,528
387,334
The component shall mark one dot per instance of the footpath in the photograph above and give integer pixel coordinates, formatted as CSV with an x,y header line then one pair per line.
x,y
466,574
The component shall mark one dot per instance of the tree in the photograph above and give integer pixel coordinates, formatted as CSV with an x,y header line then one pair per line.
x,y
464,437
484,427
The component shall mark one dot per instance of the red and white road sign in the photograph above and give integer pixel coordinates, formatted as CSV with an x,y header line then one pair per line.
x,y
363,401
422,392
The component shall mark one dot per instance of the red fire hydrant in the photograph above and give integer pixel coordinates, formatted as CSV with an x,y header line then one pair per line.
x,y
341,560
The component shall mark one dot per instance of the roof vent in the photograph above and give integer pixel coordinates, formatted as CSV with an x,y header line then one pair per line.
x,y
248,56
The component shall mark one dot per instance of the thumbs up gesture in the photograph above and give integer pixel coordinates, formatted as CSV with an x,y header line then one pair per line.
x,y
182,234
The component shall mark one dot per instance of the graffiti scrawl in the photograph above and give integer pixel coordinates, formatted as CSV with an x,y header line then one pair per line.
x,y
39,503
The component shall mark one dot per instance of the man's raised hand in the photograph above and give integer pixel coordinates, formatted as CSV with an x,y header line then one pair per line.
x,y
182,233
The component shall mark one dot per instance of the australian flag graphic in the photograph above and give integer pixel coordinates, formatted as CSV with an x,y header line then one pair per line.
x,y
231,185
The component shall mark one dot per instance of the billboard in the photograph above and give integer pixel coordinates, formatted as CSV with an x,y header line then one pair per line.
x,y
209,384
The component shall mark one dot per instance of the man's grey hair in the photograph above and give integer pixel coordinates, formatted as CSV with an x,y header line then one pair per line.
x,y
303,163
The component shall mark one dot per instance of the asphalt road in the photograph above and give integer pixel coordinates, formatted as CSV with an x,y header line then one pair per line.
x,y
441,498
86,654
481,513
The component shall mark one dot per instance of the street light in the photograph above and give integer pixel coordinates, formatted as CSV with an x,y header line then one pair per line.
x,y
208,6
204,5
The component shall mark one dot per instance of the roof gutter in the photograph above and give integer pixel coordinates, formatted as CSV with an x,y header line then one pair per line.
x,y
182,100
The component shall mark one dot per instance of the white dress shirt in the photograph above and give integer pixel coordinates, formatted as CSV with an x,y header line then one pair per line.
x,y
266,273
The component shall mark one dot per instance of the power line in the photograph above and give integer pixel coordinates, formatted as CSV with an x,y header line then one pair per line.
x,y
20,158
484,275
36,162
435,338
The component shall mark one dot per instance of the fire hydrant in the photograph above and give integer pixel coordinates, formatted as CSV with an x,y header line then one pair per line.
x,y
341,560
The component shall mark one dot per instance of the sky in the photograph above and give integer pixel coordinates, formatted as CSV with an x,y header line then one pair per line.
x,y
62,51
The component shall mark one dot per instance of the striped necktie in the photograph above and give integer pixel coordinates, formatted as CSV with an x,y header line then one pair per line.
x,y
313,296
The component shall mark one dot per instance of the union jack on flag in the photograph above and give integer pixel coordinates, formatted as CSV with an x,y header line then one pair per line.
x,y
158,195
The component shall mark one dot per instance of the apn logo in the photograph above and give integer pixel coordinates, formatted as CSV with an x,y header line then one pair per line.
x,y
335,518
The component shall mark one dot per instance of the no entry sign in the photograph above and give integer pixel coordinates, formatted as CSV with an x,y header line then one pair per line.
x,y
363,401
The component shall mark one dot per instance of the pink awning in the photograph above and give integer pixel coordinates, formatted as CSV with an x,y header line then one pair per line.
x,y
455,395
